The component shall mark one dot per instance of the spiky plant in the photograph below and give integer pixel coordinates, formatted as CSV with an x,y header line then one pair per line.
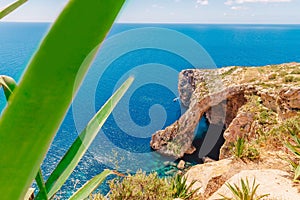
x,y
181,189
243,192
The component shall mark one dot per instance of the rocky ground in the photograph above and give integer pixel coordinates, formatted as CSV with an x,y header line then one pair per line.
x,y
259,109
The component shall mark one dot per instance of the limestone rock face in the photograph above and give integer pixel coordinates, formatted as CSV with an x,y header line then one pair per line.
x,y
224,97
202,174
239,127
291,96
288,101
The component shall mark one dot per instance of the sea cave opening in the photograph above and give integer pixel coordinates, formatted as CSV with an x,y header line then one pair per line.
x,y
204,128
212,126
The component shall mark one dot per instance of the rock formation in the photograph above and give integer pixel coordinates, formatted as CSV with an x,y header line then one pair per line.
x,y
243,99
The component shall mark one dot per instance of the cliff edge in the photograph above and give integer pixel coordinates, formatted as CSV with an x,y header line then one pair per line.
x,y
248,102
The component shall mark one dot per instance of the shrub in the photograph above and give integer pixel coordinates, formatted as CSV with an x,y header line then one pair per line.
x,y
252,153
266,117
97,197
140,186
150,187
288,79
296,71
282,73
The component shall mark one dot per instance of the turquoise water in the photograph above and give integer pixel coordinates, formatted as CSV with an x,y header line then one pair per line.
x,y
150,106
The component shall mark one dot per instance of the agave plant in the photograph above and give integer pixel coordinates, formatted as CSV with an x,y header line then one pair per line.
x,y
10,8
239,147
295,149
28,124
245,192
180,188
8,84
77,149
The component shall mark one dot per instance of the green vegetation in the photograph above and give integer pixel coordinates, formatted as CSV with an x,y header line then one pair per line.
x,y
90,186
140,186
288,79
239,147
175,146
143,186
8,84
76,151
38,105
296,71
230,71
282,73
11,8
242,150
280,133
96,197
266,85
266,116
245,192
294,147
265,120
180,188
252,153
70,160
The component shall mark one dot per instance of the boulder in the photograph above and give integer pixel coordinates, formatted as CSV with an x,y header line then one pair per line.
x,y
181,164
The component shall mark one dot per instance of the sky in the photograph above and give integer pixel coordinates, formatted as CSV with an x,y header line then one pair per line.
x,y
175,11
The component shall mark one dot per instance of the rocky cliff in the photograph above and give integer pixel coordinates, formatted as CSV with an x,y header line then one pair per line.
x,y
246,101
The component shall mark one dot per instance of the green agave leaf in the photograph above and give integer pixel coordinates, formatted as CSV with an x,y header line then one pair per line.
x,y
41,184
297,173
244,186
11,8
238,192
41,100
297,140
292,148
90,186
8,84
224,197
292,163
70,160
262,196
233,189
253,189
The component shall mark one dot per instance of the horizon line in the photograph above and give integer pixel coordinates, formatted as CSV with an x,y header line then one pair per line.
x,y
194,23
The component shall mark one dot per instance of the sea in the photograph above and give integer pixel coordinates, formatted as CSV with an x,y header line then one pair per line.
x,y
153,54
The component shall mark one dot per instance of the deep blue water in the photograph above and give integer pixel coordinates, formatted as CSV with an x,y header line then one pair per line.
x,y
155,57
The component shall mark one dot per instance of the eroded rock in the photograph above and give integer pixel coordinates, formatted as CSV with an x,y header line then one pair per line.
x,y
221,94
202,174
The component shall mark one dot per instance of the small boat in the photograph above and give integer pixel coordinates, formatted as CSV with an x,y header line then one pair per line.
x,y
176,99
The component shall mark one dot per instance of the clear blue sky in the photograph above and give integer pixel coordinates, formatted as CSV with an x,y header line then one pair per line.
x,y
177,11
